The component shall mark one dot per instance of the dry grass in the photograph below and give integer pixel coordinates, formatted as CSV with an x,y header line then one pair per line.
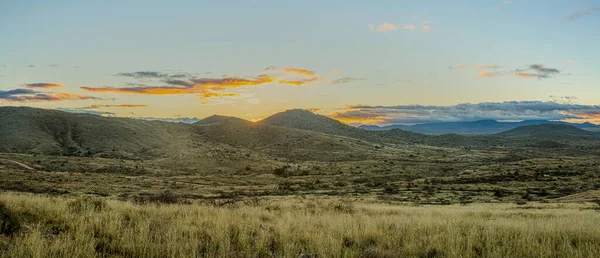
x,y
292,227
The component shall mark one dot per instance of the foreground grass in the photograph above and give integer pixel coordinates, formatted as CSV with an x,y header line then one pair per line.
x,y
39,226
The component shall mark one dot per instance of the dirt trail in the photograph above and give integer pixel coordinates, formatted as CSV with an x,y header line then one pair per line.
x,y
25,166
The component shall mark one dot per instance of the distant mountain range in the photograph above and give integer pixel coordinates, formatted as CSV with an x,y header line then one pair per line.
x,y
475,127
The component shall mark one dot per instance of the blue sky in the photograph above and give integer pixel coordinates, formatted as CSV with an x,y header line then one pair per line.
x,y
388,53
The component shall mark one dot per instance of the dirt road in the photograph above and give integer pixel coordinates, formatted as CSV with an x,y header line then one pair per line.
x,y
25,166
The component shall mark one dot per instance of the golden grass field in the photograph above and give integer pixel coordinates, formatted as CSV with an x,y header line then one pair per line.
x,y
293,227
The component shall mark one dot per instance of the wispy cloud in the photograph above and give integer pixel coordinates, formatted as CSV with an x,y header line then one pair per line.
x,y
530,71
27,95
85,111
346,80
45,85
202,87
426,27
577,14
409,27
152,75
509,110
485,74
300,82
571,62
299,71
384,27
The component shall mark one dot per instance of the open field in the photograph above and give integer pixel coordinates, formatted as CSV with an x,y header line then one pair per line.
x,y
231,188
293,227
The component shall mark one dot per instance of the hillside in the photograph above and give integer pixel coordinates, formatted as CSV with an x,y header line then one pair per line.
x,y
41,131
30,130
471,127
219,119
550,132
284,142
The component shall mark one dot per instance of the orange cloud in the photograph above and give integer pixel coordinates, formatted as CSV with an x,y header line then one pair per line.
x,y
300,83
45,85
299,71
213,94
522,74
485,74
196,86
426,28
408,27
116,106
384,27
355,120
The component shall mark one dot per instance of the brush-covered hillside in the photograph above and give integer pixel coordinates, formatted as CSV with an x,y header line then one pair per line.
x,y
31,130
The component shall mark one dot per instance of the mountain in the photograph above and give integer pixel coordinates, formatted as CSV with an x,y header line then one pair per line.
x,y
306,120
559,132
31,130
474,127
54,132
219,119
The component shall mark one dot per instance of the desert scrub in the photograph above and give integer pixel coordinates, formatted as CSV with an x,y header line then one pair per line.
x,y
298,227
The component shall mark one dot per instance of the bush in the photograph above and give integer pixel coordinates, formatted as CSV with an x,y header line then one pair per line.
x,y
165,197
86,204
9,222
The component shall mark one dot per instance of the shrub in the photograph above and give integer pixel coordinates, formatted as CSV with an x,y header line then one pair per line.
x,y
86,204
9,222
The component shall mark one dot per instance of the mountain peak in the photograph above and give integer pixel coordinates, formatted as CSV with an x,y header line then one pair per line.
x,y
219,119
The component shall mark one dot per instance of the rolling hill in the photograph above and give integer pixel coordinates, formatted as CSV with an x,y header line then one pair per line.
x,y
42,131
550,132
31,130
473,127
219,119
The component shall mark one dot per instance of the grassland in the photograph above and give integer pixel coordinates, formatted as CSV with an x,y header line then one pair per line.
x,y
294,227
296,185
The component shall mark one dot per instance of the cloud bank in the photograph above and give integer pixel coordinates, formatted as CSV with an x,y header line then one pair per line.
x,y
508,110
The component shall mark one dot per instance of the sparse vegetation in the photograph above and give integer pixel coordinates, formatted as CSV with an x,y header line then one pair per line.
x,y
231,188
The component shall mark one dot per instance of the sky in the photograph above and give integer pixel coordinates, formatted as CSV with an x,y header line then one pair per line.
x,y
361,62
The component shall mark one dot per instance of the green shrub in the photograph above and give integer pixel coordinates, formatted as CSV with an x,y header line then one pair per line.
x,y
9,222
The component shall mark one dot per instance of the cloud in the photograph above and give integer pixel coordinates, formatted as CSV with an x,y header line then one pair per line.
x,y
537,71
270,68
426,28
336,72
572,62
299,71
152,75
53,65
31,66
409,27
27,95
508,110
531,71
96,106
45,85
346,80
384,27
301,82
202,87
84,111
575,15
485,74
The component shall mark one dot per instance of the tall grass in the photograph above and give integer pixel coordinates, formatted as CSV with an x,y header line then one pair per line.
x,y
295,227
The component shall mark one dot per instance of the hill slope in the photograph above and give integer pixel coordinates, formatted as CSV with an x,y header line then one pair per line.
x,y
219,119
306,120
30,130
550,132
